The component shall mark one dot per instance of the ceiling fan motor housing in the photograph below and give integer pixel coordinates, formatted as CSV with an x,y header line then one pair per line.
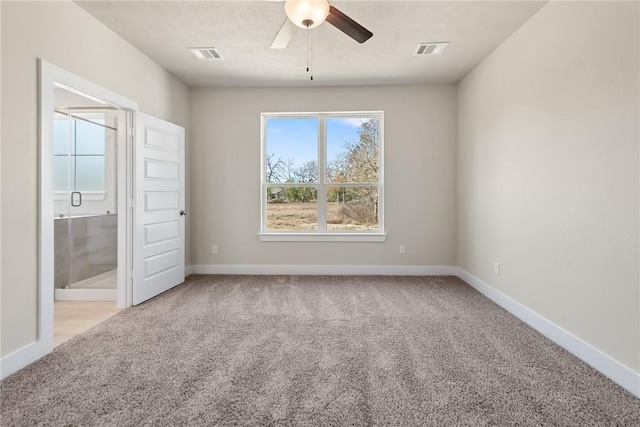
x,y
307,13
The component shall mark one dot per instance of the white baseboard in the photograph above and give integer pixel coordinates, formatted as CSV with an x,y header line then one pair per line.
x,y
332,270
25,356
614,370
188,270
85,294
107,280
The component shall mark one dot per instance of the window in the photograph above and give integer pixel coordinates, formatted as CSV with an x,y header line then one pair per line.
x,y
322,176
79,144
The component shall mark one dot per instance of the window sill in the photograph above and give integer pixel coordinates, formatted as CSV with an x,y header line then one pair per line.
x,y
322,237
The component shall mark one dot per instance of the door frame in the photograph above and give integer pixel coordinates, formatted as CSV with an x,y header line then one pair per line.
x,y
52,76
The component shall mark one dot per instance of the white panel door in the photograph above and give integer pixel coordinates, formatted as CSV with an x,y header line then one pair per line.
x,y
159,207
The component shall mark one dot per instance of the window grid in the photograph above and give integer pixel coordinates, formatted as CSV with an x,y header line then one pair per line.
x,y
73,154
323,184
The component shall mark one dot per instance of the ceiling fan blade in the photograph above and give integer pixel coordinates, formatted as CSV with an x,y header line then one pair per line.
x,y
285,34
348,25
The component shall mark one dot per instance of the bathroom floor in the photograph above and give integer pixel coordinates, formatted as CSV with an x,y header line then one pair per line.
x,y
74,317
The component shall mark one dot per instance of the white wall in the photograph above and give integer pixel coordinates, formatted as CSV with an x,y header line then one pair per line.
x,y
419,175
64,35
548,181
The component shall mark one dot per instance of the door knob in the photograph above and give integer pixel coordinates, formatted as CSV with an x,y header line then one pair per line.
x,y
183,212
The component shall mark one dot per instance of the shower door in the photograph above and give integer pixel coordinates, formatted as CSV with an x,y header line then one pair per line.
x,y
85,224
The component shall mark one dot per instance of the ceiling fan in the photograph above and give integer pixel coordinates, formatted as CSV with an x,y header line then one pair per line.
x,y
311,13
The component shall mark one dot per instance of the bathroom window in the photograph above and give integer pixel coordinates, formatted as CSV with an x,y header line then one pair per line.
x,y
79,144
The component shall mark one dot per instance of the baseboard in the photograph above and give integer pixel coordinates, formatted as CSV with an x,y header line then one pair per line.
x,y
614,370
19,359
188,270
332,270
85,294
106,280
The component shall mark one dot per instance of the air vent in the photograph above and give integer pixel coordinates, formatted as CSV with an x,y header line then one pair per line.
x,y
431,48
210,53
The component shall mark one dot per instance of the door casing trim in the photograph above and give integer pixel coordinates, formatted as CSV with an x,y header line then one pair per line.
x,y
51,76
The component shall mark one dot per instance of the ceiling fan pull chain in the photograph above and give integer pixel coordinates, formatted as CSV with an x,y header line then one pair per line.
x,y
308,23
307,47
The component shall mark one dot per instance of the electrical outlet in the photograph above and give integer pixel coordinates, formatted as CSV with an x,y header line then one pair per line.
x,y
496,268
402,249
214,249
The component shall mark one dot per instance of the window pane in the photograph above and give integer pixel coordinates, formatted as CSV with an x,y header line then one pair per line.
x,y
89,173
60,173
353,149
291,150
292,208
89,137
352,208
60,135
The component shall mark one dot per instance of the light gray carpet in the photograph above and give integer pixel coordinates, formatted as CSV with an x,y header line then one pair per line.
x,y
296,350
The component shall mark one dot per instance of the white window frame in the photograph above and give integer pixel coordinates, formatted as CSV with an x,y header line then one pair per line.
x,y
321,234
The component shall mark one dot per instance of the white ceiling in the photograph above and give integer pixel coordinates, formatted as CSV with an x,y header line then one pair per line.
x,y
243,30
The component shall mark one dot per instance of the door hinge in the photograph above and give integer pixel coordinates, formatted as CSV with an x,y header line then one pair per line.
x,y
132,130
132,203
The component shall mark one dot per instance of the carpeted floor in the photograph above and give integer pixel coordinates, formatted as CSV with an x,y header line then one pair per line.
x,y
298,350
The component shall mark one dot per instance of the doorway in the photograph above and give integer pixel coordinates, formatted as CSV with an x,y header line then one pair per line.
x,y
85,185
85,181
148,197
85,178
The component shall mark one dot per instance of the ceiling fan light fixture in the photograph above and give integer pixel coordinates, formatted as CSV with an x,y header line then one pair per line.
x,y
307,13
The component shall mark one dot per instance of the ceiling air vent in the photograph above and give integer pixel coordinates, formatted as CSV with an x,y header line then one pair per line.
x,y
431,48
210,53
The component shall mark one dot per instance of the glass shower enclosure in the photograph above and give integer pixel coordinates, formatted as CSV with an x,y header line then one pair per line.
x,y
85,197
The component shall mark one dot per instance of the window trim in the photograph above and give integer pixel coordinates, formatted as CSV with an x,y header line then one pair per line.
x,y
322,234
